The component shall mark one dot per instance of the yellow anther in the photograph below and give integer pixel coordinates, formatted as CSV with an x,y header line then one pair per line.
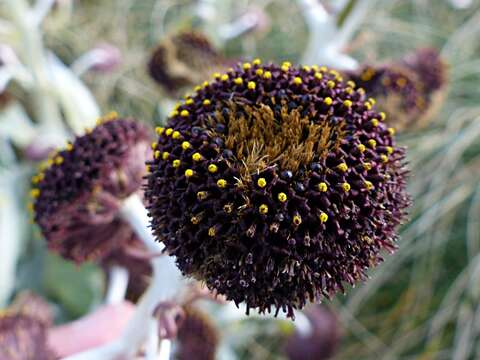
x,y
205,83
173,113
375,122
346,187
212,168
176,163
165,155
328,101
323,68
88,130
367,166
197,88
322,187
194,220
349,90
35,193
361,148
351,84
286,65
383,116
331,84
156,154
184,113
262,182
224,77
361,91
263,209
159,130
154,145
69,147
212,231
259,72
315,67
238,81
246,66
147,168
367,105
176,135
318,76
348,103
251,85
206,102
297,220
306,68
372,101
58,160
217,75
189,101
185,145
189,173
372,143
221,183
323,217
197,157
391,131
228,208
267,75
169,131
368,185
389,150
257,61
282,197
297,80
384,158
49,162
342,167
201,195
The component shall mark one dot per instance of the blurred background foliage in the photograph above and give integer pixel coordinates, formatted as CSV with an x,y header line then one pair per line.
x,y
423,302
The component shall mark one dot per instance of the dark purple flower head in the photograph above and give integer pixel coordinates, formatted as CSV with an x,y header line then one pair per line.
x,y
198,336
183,60
23,338
323,340
274,185
77,194
407,89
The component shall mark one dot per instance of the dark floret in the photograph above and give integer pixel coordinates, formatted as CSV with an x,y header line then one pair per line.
x,y
276,185
78,193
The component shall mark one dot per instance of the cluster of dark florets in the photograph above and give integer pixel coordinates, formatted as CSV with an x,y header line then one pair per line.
x,y
275,185
183,60
408,89
79,190
23,330
198,336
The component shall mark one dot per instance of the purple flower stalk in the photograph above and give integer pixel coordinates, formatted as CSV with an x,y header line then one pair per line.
x,y
276,185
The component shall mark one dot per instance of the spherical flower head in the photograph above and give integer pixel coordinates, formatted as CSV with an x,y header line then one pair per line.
x,y
183,60
323,340
299,187
23,338
198,336
78,193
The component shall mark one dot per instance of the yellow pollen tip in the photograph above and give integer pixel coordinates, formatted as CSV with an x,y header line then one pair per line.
x,y
35,193
297,80
328,101
342,167
247,66
367,105
331,84
367,166
212,168
391,131
185,145
205,83
189,173
323,68
323,217
287,63
346,187
212,232
318,76
201,195
176,135
173,113
368,185
256,62
69,147
351,84
322,187
156,154
263,209
189,101
389,150
282,197
221,183
58,160
372,101
159,130
176,163
375,122
197,88
154,145
217,75
372,143
251,85
184,113
267,75
165,155
259,72
206,102
383,116
238,81
384,158
361,148
306,68
224,77
169,131
196,157
194,220
262,182
348,103
297,220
